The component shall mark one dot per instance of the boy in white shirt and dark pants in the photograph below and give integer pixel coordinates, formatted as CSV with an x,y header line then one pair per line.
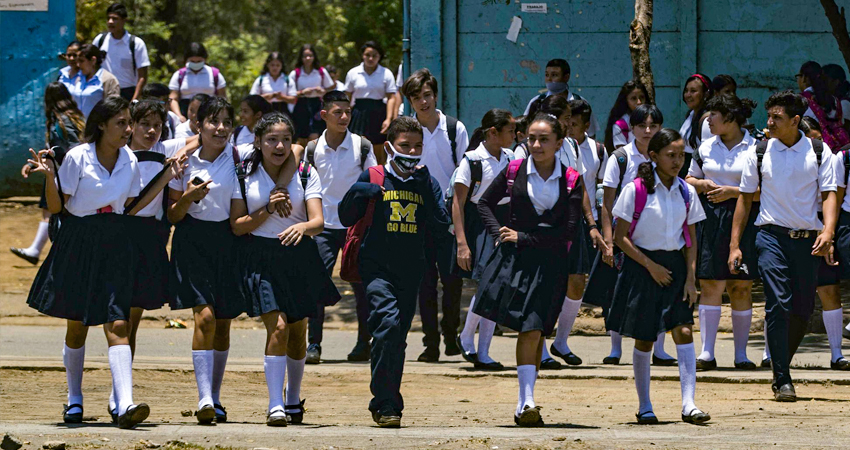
x,y
126,55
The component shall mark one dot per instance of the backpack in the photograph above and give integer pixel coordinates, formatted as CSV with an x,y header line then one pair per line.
x,y
349,265
624,128
476,171
321,75
845,158
98,41
451,130
622,159
181,75
761,149
833,130
600,153
365,147
640,204
236,133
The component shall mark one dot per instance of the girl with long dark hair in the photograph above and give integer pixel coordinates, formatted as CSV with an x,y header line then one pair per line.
x,y
308,82
698,90
368,85
618,132
273,84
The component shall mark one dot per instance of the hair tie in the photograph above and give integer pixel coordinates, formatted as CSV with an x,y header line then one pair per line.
x,y
703,79
552,116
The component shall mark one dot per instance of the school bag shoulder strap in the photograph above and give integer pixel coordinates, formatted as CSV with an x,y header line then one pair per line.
x,y
622,159
623,126
236,134
365,148
571,178
98,42
181,75
451,129
600,154
697,157
640,203
304,173
149,156
845,158
513,170
241,173
761,149
686,195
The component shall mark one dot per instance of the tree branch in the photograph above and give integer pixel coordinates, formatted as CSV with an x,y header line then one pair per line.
x,y
839,27
640,33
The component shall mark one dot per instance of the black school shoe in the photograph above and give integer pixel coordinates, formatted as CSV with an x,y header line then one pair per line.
x,y
19,252
550,364
745,365
704,365
387,420
696,417
646,418
429,355
766,363
205,415
530,417
314,354
362,351
611,360
220,418
453,347
569,358
470,357
840,364
295,418
656,361
135,415
114,414
784,393
72,417
492,365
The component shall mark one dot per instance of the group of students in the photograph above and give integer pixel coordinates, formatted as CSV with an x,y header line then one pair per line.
x,y
534,209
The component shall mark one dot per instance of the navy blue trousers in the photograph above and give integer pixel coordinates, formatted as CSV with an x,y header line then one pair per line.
x,y
392,305
438,263
330,242
789,273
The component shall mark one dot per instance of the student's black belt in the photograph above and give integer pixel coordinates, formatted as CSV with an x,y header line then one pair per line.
x,y
793,234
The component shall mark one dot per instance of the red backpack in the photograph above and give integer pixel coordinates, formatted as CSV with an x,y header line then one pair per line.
x,y
349,269
640,203
832,130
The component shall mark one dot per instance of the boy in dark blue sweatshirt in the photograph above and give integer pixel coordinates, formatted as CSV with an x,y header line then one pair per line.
x,y
392,257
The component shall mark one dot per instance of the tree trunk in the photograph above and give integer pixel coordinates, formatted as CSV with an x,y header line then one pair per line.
x,y
839,27
640,32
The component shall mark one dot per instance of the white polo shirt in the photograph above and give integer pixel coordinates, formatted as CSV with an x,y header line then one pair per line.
x,y
490,168
840,177
215,207
244,136
266,84
791,183
119,59
685,131
594,125
196,83
310,80
612,170
593,168
338,169
544,193
566,153
258,186
375,86
437,150
149,169
183,130
660,224
92,187
617,134
722,165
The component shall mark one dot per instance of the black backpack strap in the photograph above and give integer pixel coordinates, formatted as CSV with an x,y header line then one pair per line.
x,y
236,134
241,173
149,156
622,159
761,149
133,52
696,157
365,148
451,128
817,146
304,174
600,153
476,171
310,152
98,40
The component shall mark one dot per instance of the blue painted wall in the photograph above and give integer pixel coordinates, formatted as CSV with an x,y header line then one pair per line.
x,y
28,62
761,43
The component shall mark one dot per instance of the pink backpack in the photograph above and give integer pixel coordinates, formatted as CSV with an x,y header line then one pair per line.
x,y
321,75
832,130
624,127
181,74
640,204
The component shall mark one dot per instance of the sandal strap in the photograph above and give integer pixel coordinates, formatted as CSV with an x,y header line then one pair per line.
x,y
694,412
72,406
298,406
218,406
645,413
274,410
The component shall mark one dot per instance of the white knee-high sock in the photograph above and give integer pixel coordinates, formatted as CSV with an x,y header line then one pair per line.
x,y
545,355
616,344
295,369
486,328
74,359
766,354
741,321
709,321
121,366
527,375
467,335
641,366
566,320
40,239
832,321
687,375
275,369
219,363
202,360
658,348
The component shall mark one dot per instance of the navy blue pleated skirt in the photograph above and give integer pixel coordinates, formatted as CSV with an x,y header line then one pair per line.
x,y
88,273
289,279
523,289
582,252
600,283
714,234
153,285
642,308
204,269
306,117
481,244
367,117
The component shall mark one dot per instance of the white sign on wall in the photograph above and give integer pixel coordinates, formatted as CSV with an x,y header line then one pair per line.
x,y
23,5
540,8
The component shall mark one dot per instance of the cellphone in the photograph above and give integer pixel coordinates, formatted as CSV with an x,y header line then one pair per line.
x,y
196,182
741,267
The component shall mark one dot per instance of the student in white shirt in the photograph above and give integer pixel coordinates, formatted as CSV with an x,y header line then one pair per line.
x,y
273,84
715,172
308,82
473,244
645,121
251,110
280,268
94,82
370,87
523,286
334,73
68,74
96,182
445,140
338,157
126,55
557,78
694,129
190,126
159,92
791,237
617,131
658,269
196,78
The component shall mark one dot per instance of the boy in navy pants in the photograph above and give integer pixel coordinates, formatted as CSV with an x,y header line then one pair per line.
x,y
392,256
792,171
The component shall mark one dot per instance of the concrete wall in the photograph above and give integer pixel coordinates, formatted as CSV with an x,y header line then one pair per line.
x,y
31,42
761,43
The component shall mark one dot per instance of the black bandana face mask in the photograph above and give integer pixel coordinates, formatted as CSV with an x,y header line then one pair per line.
x,y
406,163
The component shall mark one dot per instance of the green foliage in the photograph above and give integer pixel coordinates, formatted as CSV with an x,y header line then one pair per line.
x,y
238,35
